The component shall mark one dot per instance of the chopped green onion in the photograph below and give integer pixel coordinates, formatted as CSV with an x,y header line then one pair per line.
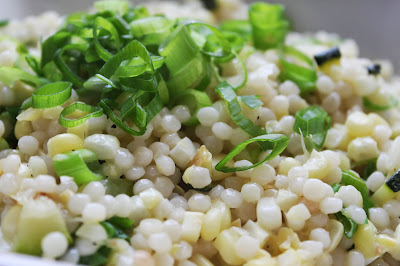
x,y
3,144
367,103
107,25
350,178
374,69
268,24
106,105
228,94
119,7
92,111
350,227
336,187
33,63
193,99
394,182
99,258
116,227
304,77
252,101
241,27
369,169
313,123
52,44
82,165
4,22
326,56
9,75
275,142
51,95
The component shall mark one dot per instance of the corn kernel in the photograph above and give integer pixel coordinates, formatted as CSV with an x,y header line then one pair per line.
x,y
63,143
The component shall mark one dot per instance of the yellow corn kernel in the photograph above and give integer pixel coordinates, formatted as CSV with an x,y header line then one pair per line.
x,y
262,258
63,143
65,195
23,128
362,149
202,158
151,197
81,131
52,113
9,223
30,114
191,226
387,242
225,244
211,224
286,164
359,125
226,217
217,175
317,165
344,161
364,240
287,239
200,260
377,120
256,231
336,230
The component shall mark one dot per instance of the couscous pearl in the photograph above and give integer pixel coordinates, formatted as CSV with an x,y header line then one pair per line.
x,y
150,226
182,112
355,258
379,217
208,116
170,123
123,158
85,247
142,185
251,192
28,145
77,202
246,247
184,251
375,180
321,235
54,245
159,148
331,205
123,205
356,213
160,242
199,203
222,131
232,198
9,183
95,190
134,173
45,183
165,165
93,213
314,190
143,156
349,195
243,163
325,84
216,191
11,163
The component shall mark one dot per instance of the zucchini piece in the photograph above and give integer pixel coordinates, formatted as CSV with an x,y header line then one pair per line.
x,y
328,55
38,218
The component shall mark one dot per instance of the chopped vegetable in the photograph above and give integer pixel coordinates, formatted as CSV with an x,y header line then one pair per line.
x,y
394,182
4,22
251,101
51,95
313,124
269,25
374,69
304,77
82,165
117,227
350,227
275,142
92,111
370,105
99,258
328,55
350,178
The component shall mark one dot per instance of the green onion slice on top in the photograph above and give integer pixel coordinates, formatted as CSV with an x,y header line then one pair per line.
x,y
228,94
370,105
9,75
313,123
82,165
304,77
90,111
269,26
275,142
51,95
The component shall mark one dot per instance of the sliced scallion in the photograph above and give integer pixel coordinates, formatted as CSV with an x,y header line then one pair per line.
x,y
90,111
51,95
252,101
370,105
350,227
313,123
275,142
269,27
304,77
228,94
9,75
83,165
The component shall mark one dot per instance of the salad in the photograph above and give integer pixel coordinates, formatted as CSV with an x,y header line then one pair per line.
x,y
142,135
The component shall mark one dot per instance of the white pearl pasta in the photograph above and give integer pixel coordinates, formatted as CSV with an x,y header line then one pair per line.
x,y
94,212
54,245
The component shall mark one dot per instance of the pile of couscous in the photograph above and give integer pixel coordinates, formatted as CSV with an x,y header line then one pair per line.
x,y
128,137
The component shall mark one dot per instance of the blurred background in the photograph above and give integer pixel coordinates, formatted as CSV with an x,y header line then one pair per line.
x,y
375,25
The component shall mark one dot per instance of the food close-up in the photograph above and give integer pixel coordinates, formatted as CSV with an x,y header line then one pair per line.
x,y
194,133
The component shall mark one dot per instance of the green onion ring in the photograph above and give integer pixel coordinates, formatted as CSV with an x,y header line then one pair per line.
x,y
51,95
